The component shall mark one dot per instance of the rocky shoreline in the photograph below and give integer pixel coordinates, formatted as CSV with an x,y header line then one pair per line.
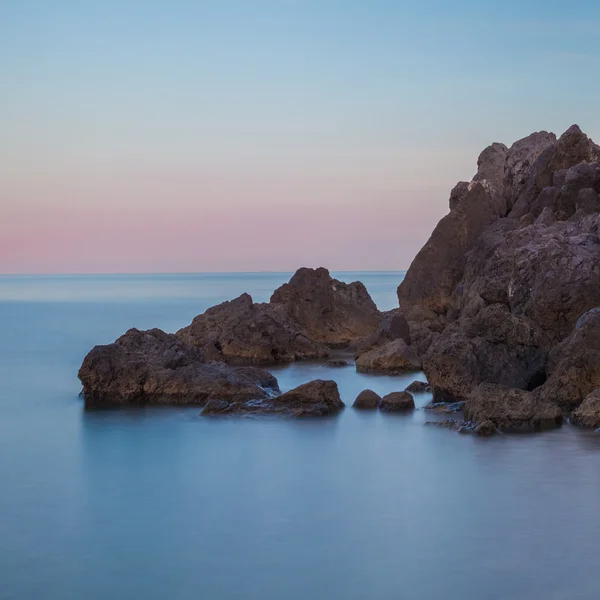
x,y
500,310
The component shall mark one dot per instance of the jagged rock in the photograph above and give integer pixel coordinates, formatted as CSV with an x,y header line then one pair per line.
x,y
588,413
418,387
332,312
588,200
574,364
546,217
240,331
511,410
367,400
397,402
316,398
392,326
493,346
394,357
154,367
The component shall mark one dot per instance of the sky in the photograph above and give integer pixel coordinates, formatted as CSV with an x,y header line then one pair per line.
x,y
265,135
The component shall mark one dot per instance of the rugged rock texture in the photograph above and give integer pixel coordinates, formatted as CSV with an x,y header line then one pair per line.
x,y
511,410
418,387
485,429
317,398
154,367
394,357
332,312
588,413
367,400
392,326
337,362
244,332
574,364
397,402
509,271
303,320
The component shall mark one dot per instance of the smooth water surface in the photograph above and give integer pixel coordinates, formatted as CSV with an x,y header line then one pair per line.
x,y
163,504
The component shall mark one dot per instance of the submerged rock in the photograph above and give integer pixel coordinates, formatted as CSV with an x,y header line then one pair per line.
x,y
154,367
367,400
397,402
316,398
337,362
445,407
511,410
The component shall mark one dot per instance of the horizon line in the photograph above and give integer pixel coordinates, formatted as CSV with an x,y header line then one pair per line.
x,y
114,273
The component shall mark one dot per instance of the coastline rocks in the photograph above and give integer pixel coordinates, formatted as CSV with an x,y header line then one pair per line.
x,y
397,402
574,364
367,400
394,357
316,398
485,429
511,410
418,387
588,413
337,362
393,326
332,312
154,367
243,332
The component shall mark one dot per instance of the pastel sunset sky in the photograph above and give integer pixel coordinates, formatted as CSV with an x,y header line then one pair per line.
x,y
257,135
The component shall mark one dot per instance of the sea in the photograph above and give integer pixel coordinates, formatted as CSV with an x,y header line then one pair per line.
x,y
161,503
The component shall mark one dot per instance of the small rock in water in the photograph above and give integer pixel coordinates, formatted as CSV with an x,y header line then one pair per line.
x,y
337,363
445,407
397,402
418,387
486,429
454,424
367,400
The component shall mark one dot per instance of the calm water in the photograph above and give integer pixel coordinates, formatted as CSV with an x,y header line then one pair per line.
x,y
160,503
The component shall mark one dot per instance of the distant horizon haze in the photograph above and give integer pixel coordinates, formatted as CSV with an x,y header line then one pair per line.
x,y
252,137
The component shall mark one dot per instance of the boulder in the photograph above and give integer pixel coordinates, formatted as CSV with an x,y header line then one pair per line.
x,y
332,312
397,402
154,367
392,326
243,332
574,364
394,357
337,362
418,387
588,412
367,400
316,398
511,410
485,429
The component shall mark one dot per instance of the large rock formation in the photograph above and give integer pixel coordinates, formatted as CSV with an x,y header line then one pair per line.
x,y
508,273
316,398
511,410
154,367
394,357
304,319
332,312
244,332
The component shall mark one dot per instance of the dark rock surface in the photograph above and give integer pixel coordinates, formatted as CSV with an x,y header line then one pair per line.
x,y
337,362
588,412
397,402
511,410
154,367
445,407
316,398
394,357
332,312
367,400
495,293
418,387
486,429
392,326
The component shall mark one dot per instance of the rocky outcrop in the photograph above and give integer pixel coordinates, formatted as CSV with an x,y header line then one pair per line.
x,y
317,398
304,319
395,357
392,326
332,312
506,275
574,364
367,400
511,410
241,331
397,402
588,413
154,367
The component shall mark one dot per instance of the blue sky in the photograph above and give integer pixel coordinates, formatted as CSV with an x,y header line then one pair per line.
x,y
274,108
